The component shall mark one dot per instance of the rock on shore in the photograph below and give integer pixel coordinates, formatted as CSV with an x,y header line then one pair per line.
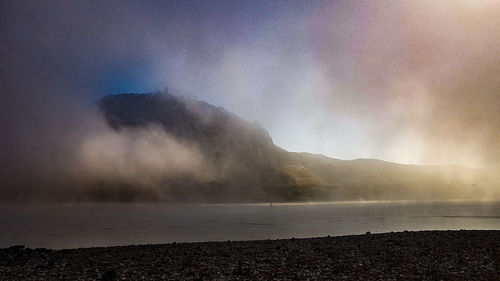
x,y
423,255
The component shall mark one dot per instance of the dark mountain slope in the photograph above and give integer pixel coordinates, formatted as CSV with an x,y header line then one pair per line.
x,y
242,154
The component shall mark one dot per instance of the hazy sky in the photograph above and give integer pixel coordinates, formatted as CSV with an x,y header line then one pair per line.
x,y
406,81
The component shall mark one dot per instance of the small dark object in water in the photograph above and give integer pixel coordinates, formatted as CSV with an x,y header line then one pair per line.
x,y
368,233
109,275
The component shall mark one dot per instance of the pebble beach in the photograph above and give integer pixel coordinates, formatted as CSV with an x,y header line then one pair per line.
x,y
422,255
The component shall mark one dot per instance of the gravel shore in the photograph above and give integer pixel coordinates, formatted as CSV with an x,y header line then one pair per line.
x,y
423,255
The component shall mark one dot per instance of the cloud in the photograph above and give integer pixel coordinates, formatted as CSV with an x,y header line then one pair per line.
x,y
141,156
133,164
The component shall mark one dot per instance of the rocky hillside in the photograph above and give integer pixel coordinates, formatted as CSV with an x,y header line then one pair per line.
x,y
250,167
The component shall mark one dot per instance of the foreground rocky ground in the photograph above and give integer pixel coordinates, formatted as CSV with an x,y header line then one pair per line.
x,y
425,255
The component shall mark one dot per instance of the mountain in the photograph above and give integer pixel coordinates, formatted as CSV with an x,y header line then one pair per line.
x,y
249,167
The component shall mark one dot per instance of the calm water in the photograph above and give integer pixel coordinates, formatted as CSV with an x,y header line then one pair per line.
x,y
103,225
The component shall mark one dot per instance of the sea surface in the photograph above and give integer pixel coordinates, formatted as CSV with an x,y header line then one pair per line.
x,y
91,225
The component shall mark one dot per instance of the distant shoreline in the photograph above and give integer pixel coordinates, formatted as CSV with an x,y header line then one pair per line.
x,y
421,255
277,203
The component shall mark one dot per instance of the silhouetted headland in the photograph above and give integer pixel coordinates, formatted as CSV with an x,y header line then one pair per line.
x,y
244,165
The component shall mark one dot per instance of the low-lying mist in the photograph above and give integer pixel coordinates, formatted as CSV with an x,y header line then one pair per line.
x,y
143,158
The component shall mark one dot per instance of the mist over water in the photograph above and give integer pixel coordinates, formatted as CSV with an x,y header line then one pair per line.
x,y
139,157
